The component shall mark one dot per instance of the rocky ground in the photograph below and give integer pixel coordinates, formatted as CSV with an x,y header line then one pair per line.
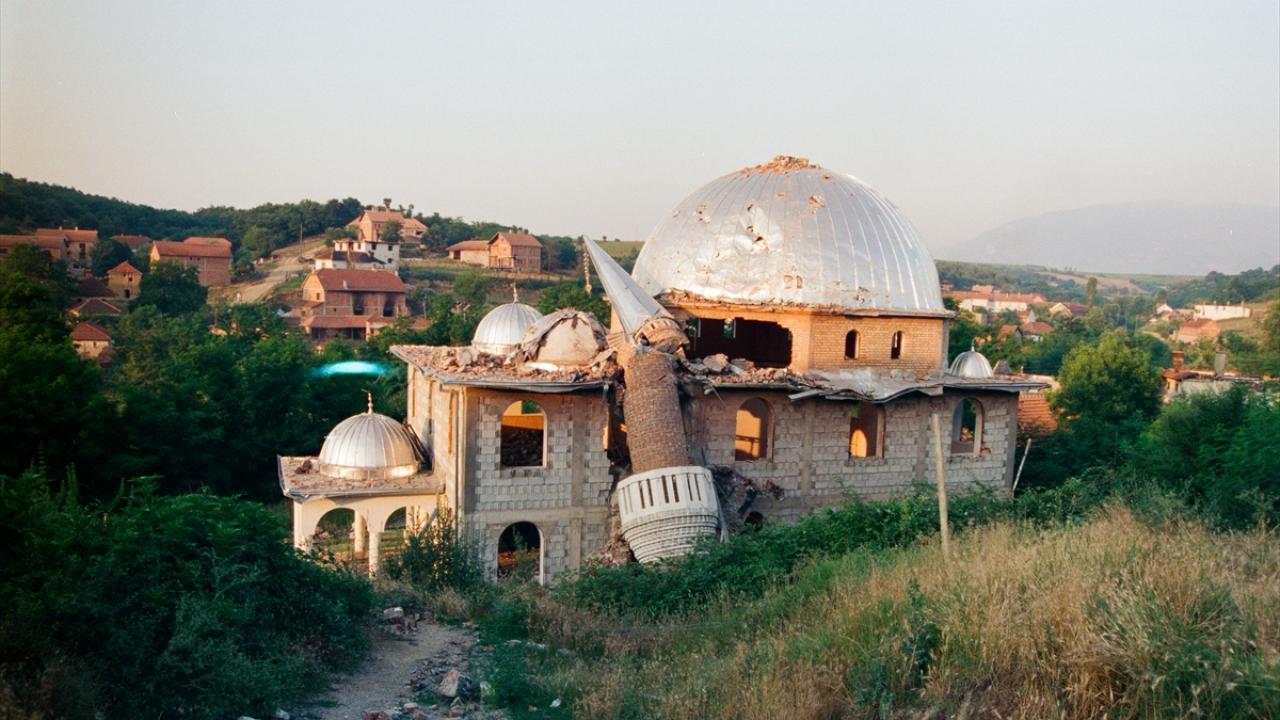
x,y
418,670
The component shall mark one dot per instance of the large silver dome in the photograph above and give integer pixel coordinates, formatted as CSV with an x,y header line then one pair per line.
x,y
370,446
790,232
503,328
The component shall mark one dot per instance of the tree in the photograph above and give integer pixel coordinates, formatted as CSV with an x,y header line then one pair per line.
x,y
34,290
1271,330
1111,382
258,242
333,234
1091,292
391,231
386,203
571,295
965,329
172,289
108,253
472,287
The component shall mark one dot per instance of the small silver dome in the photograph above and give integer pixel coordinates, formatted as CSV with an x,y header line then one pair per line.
x,y
790,232
370,446
972,364
565,338
503,328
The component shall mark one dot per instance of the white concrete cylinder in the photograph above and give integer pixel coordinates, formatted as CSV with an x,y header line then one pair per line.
x,y
666,511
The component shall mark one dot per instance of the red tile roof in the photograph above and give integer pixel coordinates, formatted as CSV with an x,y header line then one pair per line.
x,y
132,241
516,238
44,242
124,268
1036,328
92,287
164,249
348,279
74,234
96,306
87,331
469,245
198,240
1035,417
382,216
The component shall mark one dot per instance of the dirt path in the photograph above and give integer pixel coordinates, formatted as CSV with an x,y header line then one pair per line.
x,y
288,262
383,683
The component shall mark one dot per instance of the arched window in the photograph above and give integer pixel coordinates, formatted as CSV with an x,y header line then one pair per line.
x,y
523,435
895,349
866,430
851,344
751,430
520,552
339,535
966,428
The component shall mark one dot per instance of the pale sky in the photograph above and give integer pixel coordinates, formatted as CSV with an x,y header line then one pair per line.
x,y
599,117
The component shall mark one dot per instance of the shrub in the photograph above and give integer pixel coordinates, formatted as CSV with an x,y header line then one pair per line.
x,y
191,606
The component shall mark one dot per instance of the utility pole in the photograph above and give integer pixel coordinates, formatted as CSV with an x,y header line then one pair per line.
x,y
942,490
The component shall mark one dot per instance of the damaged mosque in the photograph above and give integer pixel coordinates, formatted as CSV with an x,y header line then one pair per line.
x,y
780,344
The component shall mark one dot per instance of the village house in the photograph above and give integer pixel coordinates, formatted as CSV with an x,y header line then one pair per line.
x,y
124,280
360,254
371,222
353,304
986,302
1191,331
79,246
91,342
508,250
1222,312
55,247
133,242
737,383
210,256
96,307
1068,309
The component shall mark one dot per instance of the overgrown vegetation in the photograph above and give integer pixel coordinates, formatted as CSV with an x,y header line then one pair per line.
x,y
165,607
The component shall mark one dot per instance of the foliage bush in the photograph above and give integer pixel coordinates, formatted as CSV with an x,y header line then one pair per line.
x,y
191,606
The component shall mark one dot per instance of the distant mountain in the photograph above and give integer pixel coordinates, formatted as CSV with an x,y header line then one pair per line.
x,y
1148,237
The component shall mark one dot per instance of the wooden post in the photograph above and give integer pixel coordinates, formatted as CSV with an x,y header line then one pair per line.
x,y
942,488
1025,451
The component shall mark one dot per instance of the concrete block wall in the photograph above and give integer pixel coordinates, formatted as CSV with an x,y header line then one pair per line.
x,y
567,498
810,451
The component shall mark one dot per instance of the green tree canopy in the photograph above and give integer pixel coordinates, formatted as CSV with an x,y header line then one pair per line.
x,y
571,295
172,289
108,253
1110,382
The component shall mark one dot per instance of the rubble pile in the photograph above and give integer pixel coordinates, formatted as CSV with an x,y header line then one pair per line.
x,y
738,494
466,363
721,370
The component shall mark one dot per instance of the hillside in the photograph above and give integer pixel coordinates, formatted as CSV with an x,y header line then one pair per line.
x,y
1151,237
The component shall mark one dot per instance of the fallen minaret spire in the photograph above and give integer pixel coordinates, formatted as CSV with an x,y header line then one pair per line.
x,y
667,504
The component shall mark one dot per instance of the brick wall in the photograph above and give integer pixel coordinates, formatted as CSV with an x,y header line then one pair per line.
x,y
818,340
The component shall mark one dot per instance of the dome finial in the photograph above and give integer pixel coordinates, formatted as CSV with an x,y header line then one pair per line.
x,y
370,396
515,293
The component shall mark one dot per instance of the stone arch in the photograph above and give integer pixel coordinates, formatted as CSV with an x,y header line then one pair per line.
x,y
523,440
520,549
338,533
753,430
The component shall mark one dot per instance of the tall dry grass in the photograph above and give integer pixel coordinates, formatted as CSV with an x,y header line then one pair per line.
x,y
1112,619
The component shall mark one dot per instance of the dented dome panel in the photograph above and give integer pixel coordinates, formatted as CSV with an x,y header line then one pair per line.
x,y
793,233
564,338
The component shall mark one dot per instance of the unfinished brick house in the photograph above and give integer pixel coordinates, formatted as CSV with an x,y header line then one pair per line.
x,y
351,304
780,345
508,250
210,256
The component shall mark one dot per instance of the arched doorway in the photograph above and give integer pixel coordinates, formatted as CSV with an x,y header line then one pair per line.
x,y
338,536
520,552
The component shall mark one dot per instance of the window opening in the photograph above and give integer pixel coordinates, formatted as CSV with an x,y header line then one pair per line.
x,y
966,428
751,433
866,430
895,350
851,344
523,435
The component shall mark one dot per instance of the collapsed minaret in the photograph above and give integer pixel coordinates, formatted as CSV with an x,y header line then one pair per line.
x,y
667,504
